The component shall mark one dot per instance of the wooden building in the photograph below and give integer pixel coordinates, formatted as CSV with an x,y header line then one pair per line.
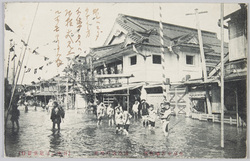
x,y
133,48
235,78
57,88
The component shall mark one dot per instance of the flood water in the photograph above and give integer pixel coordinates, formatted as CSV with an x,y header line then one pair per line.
x,y
80,137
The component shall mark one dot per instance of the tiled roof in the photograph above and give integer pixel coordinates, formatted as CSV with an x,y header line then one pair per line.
x,y
170,31
144,31
106,50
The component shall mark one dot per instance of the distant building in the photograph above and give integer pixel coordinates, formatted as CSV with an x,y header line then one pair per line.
x,y
41,92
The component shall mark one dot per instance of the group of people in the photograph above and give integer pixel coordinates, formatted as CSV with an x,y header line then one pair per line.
x,y
149,114
118,116
56,115
121,117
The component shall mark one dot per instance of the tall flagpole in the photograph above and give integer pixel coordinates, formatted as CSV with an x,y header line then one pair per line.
x,y
11,98
222,74
13,72
162,56
9,60
24,70
19,60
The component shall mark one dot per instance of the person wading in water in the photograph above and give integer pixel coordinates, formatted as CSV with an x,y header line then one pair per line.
x,y
15,113
165,118
57,114
144,106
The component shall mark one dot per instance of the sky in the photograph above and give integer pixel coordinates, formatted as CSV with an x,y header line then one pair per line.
x,y
42,35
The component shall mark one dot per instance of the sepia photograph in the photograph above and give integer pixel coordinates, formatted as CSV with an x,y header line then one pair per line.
x,y
125,80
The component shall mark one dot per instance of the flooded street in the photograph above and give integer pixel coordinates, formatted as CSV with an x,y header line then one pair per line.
x,y
80,137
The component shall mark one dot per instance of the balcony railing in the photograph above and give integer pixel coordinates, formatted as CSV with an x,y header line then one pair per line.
x,y
236,67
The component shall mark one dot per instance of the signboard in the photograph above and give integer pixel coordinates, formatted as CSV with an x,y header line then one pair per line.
x,y
197,95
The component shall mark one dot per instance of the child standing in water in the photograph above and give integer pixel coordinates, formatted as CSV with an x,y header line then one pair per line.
x,y
166,117
100,113
151,117
119,120
110,113
135,109
126,120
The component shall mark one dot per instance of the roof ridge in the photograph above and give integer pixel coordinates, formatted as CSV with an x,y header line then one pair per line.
x,y
111,45
169,24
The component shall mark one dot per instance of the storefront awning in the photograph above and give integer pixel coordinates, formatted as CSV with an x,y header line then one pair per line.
x,y
153,86
105,76
125,87
46,94
201,82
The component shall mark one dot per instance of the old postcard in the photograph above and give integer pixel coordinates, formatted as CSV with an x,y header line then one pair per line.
x,y
125,80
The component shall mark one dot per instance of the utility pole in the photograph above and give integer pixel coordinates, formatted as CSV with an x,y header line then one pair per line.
x,y
203,60
67,86
67,91
92,76
222,73
237,107
58,88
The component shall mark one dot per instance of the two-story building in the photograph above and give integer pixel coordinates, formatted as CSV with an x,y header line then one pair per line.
x,y
58,88
235,75
133,49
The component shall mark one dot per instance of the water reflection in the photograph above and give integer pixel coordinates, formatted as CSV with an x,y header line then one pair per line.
x,y
80,137
55,143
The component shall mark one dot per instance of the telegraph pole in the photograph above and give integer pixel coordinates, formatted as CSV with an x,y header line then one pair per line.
x,y
203,60
222,74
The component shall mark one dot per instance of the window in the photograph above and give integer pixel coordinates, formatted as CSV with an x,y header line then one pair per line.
x,y
156,59
133,60
189,60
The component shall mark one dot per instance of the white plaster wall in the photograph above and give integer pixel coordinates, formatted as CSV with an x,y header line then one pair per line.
x,y
195,71
138,70
80,101
116,28
175,69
